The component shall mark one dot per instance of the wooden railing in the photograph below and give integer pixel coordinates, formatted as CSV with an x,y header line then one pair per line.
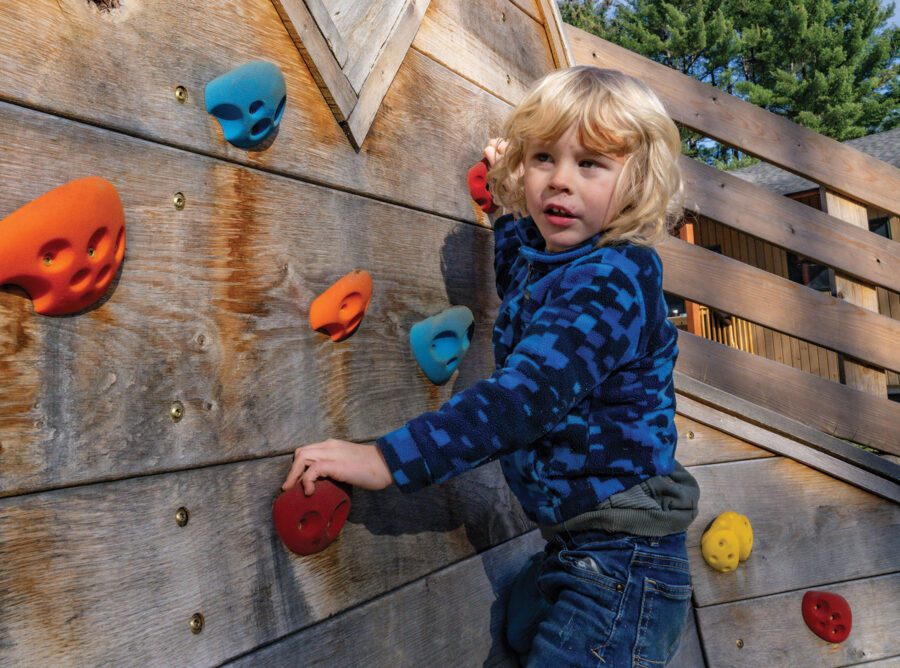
x,y
854,332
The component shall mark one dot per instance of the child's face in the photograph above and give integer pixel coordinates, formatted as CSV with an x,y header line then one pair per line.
x,y
569,189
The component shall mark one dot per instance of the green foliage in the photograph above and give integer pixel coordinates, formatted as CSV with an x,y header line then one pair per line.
x,y
830,65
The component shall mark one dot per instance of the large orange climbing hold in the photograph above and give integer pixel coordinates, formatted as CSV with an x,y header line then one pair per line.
x,y
65,247
338,311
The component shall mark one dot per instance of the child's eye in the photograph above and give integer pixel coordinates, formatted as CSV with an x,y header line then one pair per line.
x,y
588,163
542,157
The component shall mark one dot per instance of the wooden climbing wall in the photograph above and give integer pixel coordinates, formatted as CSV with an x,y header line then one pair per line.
x,y
210,313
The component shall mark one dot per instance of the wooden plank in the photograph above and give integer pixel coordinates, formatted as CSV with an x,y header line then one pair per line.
x,y
830,407
856,375
102,574
876,475
429,116
483,43
699,443
726,118
329,30
456,612
556,34
211,310
774,633
321,55
384,69
779,303
809,530
689,653
365,25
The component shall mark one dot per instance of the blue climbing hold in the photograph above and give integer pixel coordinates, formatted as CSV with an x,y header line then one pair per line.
x,y
440,342
248,101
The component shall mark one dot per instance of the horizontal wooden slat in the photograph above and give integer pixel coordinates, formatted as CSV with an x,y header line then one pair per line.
x,y
789,224
699,443
724,117
879,476
809,530
454,32
456,612
828,406
212,309
779,303
429,115
103,575
774,633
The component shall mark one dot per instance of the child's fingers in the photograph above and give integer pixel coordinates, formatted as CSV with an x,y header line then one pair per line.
x,y
301,461
308,480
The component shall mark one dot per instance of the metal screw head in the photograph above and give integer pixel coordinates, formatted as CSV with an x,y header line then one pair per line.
x,y
178,200
91,252
176,411
180,93
740,643
48,259
690,434
182,516
503,16
196,623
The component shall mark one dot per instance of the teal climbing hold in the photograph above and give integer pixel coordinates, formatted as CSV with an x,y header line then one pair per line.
x,y
248,102
440,342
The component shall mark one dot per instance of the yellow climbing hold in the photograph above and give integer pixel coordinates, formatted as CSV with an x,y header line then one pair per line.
x,y
727,542
741,527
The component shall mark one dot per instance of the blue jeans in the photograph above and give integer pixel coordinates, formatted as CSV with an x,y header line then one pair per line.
x,y
594,598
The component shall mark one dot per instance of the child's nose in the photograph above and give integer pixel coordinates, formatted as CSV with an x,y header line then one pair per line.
x,y
561,179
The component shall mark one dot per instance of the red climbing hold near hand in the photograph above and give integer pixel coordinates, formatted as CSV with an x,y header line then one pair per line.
x,y
309,524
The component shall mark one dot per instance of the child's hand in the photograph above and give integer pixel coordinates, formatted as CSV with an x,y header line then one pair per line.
x,y
495,148
360,465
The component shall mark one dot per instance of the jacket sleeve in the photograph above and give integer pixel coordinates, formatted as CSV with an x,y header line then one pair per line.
x,y
506,247
591,327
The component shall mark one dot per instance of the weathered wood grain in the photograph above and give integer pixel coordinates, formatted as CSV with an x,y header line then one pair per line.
x,y
879,477
492,43
789,224
809,530
753,129
102,574
779,303
774,633
830,407
452,617
430,116
211,309
556,34
701,444
383,70
322,53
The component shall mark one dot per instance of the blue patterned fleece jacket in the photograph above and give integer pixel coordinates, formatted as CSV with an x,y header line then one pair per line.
x,y
582,403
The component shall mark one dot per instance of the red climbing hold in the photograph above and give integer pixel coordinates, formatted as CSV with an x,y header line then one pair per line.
x,y
478,186
309,524
827,615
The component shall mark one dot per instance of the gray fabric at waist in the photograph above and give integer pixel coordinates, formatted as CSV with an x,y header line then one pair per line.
x,y
658,506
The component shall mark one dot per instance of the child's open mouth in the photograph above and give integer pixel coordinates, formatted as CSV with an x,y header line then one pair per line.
x,y
558,216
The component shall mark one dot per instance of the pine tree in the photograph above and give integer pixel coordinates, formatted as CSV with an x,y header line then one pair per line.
x,y
830,65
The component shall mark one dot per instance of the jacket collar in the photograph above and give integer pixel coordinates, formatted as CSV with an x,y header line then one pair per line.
x,y
533,247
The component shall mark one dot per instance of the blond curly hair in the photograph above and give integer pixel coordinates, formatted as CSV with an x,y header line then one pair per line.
x,y
615,114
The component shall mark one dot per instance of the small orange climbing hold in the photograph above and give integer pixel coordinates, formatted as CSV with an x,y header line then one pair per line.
x,y
338,311
727,541
65,247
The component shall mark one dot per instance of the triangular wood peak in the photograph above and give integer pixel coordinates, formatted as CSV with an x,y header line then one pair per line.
x,y
353,49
